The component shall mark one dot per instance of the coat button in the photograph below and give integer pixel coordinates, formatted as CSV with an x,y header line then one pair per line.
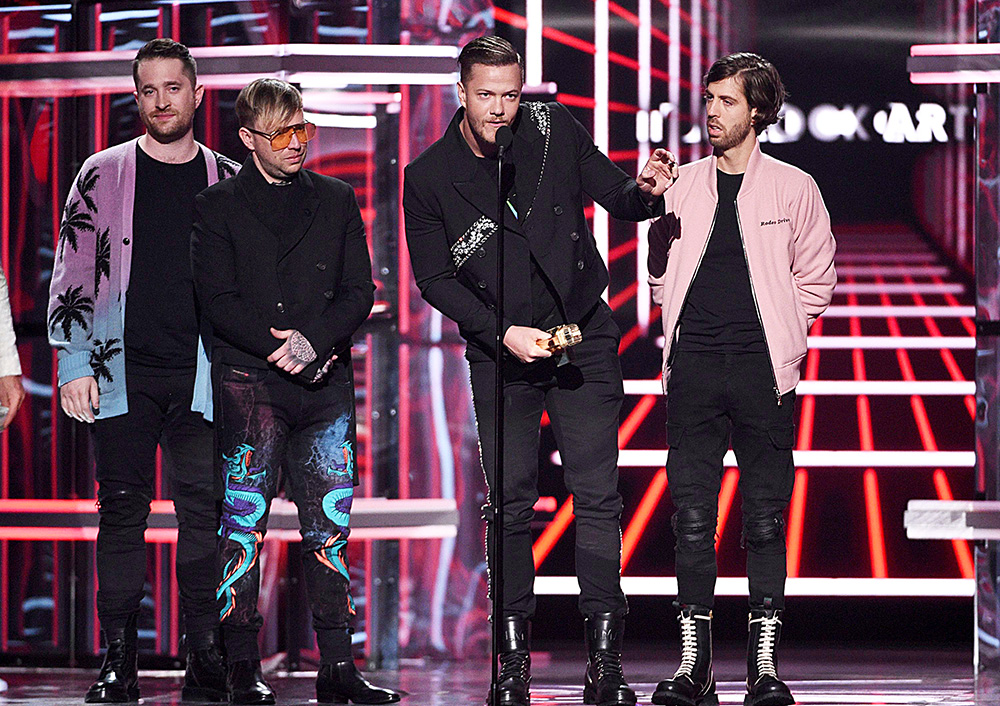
x,y
126,241
579,264
574,236
482,284
557,209
308,212
329,294
281,308
321,266
481,252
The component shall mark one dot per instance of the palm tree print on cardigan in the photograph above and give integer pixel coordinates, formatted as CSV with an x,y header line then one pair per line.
x,y
85,185
102,259
225,167
74,222
73,308
104,351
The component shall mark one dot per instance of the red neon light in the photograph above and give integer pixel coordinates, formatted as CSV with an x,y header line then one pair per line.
x,y
622,250
637,525
726,494
961,547
796,519
876,536
623,296
551,534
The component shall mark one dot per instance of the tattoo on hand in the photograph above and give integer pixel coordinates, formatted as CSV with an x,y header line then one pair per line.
x,y
301,348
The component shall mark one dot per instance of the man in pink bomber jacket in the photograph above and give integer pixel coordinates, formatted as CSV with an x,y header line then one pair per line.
x,y
742,264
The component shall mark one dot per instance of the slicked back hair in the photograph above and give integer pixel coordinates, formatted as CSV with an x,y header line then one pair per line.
x,y
760,81
165,49
489,51
267,103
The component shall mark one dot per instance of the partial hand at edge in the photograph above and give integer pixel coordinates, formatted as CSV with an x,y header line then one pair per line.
x,y
11,396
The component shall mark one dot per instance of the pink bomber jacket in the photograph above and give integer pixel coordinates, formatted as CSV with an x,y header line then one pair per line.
x,y
788,244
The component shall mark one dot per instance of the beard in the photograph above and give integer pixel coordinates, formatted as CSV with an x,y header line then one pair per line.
x,y
730,138
170,132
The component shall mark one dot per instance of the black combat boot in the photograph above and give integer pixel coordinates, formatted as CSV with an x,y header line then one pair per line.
x,y
604,683
693,684
118,681
205,676
246,683
763,686
342,682
515,664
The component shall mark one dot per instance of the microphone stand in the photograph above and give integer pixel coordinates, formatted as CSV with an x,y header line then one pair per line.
x,y
504,138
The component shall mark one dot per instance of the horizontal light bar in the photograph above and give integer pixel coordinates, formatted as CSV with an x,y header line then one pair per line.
x,y
900,312
365,122
657,458
844,387
737,586
884,258
894,270
899,288
871,343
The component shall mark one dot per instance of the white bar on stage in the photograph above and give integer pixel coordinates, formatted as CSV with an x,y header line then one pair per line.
x,y
657,458
900,312
899,288
844,387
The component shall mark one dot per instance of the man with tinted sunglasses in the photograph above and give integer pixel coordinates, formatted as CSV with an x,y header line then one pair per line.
x,y
282,272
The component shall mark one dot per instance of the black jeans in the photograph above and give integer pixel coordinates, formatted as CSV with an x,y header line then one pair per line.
x,y
268,423
709,397
159,413
583,398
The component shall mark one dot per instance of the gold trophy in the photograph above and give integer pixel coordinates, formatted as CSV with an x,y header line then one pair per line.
x,y
561,338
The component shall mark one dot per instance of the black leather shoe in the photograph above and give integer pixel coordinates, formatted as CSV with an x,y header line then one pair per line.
x,y
604,682
205,676
246,683
342,682
764,688
118,682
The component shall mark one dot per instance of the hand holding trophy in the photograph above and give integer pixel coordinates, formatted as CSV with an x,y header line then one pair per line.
x,y
561,338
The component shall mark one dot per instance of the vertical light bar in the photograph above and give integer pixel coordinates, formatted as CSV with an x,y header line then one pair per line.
x,y
713,29
533,42
4,240
674,69
645,78
601,91
696,73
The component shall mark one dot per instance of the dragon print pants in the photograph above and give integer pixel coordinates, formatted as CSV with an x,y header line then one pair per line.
x,y
269,426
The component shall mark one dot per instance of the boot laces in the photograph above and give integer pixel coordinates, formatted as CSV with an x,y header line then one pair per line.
x,y
765,647
514,665
689,646
608,665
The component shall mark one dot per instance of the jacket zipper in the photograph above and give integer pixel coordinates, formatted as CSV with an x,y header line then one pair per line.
x,y
680,313
753,292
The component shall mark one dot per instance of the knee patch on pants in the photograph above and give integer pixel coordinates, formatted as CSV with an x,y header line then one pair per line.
x,y
764,534
694,529
123,508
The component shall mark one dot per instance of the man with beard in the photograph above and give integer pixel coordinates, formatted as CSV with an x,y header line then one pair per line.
x,y
750,267
554,275
139,373
282,271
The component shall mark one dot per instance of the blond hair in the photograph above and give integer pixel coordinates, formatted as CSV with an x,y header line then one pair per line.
x,y
267,103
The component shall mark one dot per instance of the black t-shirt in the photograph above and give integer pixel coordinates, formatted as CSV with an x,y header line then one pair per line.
x,y
545,309
720,315
161,322
279,199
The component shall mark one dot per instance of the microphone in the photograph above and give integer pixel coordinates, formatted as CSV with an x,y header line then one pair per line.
x,y
504,139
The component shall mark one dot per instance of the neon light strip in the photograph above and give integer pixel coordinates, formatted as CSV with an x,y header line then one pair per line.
x,y
883,342
941,312
893,270
954,49
645,88
533,42
737,586
845,387
895,257
655,458
601,123
898,288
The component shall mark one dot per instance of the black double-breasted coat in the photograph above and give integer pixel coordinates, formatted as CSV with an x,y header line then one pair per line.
x,y
316,278
451,212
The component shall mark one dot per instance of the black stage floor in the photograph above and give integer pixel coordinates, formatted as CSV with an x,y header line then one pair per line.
x,y
818,677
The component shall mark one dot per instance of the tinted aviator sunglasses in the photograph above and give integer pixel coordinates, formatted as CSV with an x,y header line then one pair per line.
x,y
281,137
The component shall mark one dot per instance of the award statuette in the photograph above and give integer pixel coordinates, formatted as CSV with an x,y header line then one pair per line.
x,y
561,338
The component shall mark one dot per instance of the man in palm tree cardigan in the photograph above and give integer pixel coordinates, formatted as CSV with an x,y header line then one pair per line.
x,y
140,373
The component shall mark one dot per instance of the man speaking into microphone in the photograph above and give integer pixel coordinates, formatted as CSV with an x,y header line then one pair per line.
x,y
553,276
